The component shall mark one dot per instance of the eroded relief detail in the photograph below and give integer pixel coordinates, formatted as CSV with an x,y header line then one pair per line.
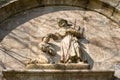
x,y
70,47
46,51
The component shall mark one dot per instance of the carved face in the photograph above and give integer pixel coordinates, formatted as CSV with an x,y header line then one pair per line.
x,y
62,23
46,39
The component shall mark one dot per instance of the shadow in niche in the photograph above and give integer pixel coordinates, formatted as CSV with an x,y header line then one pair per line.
x,y
89,59
116,78
86,55
57,48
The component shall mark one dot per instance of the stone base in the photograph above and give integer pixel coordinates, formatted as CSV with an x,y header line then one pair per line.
x,y
72,66
42,74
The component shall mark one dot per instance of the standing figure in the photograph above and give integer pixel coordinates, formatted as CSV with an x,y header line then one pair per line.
x,y
70,47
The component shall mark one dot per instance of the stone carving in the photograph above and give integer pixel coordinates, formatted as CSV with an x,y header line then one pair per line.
x,y
46,47
70,46
70,49
46,50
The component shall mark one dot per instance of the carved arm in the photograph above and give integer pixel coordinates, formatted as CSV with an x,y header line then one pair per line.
x,y
55,36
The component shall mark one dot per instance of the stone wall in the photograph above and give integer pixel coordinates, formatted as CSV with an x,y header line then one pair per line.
x,y
58,75
23,22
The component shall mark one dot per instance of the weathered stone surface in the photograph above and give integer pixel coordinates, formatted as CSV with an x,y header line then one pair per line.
x,y
72,66
118,6
100,7
111,2
58,75
116,16
20,34
104,7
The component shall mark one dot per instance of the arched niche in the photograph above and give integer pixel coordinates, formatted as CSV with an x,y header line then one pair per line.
x,y
23,26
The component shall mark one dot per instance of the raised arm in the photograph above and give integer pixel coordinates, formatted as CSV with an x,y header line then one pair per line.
x,y
55,36
73,32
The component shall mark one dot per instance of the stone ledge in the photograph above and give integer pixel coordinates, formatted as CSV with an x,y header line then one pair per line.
x,y
43,74
58,66
53,71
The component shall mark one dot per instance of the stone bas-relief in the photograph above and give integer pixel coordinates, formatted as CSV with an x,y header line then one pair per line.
x,y
25,31
45,53
70,46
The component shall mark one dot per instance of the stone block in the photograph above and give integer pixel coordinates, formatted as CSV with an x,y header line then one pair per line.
x,y
100,7
57,75
27,4
58,66
116,16
111,2
81,3
95,5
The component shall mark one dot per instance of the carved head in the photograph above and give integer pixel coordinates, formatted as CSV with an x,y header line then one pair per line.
x,y
62,23
46,39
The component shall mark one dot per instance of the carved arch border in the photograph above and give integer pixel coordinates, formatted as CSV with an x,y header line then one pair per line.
x,y
17,6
